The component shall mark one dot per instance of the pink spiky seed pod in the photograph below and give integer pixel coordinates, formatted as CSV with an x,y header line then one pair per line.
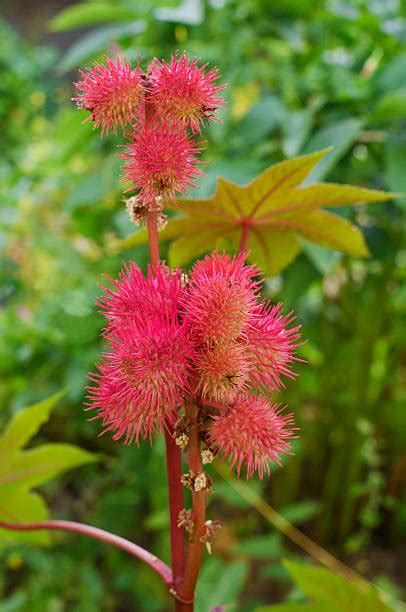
x,y
222,298
182,92
161,161
134,296
112,92
143,378
144,375
252,433
271,346
222,372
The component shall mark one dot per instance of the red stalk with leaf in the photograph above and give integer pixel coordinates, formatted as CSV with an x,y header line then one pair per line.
x,y
194,357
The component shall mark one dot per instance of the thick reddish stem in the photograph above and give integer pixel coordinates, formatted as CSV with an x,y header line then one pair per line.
x,y
103,536
173,454
174,467
195,549
153,237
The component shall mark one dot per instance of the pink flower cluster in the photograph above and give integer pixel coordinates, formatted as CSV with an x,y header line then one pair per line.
x,y
206,339
160,111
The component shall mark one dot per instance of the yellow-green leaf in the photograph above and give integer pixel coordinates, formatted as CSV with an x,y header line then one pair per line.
x,y
267,217
272,249
334,232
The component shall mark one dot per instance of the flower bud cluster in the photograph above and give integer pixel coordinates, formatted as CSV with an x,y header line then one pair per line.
x,y
211,341
160,111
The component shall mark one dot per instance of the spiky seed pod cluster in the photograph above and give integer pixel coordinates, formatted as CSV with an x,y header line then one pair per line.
x,y
143,377
161,162
210,341
159,110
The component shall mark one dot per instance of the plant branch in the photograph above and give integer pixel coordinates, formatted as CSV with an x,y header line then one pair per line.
x,y
156,564
174,467
195,549
173,453
153,237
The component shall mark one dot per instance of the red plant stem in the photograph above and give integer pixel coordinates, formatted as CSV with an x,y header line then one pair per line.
x,y
244,236
195,549
153,237
174,463
103,536
173,453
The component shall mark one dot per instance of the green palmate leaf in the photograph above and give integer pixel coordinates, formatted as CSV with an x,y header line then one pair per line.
x,y
21,469
273,212
327,591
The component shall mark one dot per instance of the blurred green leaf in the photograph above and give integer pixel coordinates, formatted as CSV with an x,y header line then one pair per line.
x,y
231,497
392,75
90,13
261,119
340,136
395,160
219,584
300,512
391,106
322,258
261,547
97,41
296,127
329,592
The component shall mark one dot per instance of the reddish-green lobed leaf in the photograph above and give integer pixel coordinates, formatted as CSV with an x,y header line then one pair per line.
x,y
273,211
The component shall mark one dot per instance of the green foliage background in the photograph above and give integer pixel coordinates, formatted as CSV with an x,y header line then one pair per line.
x,y
301,75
